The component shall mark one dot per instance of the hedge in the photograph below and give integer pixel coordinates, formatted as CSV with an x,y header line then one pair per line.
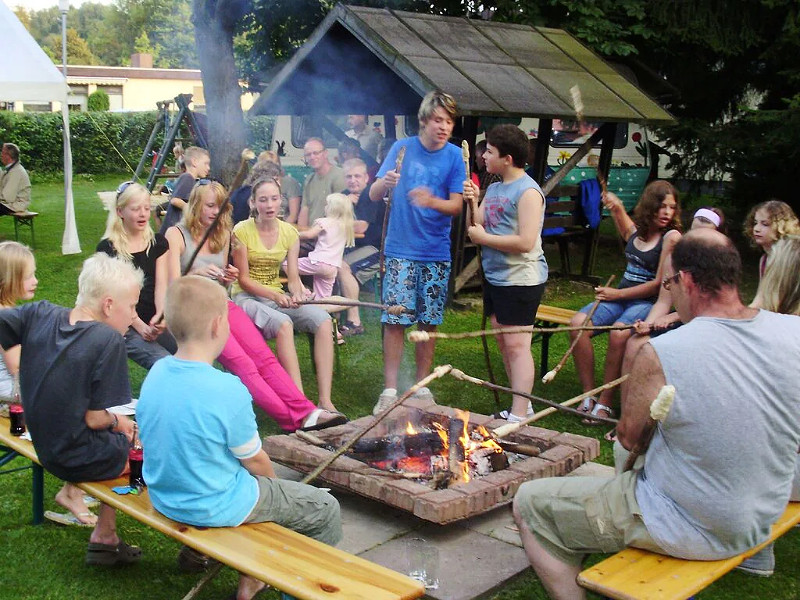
x,y
95,136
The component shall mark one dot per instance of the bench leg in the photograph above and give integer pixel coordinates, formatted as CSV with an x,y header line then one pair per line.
x,y
212,572
545,353
37,493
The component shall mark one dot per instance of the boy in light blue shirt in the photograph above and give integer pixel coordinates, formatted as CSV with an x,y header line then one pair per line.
x,y
203,460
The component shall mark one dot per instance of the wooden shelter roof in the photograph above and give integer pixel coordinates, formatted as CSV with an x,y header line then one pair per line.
x,y
381,61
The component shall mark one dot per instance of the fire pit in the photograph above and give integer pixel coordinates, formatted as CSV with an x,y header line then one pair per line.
x,y
411,462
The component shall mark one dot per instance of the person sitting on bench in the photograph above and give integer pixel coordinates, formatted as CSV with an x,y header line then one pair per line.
x,y
718,471
203,460
15,185
73,368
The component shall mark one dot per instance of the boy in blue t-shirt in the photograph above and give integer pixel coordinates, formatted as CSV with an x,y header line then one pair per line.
x,y
204,464
427,194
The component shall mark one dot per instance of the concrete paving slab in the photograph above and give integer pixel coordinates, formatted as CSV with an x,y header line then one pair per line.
x,y
367,524
498,524
470,564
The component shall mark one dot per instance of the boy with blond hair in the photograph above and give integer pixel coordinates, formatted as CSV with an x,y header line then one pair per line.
x,y
204,464
198,163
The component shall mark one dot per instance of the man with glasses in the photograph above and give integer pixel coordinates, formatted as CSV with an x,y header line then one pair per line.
x,y
326,179
719,469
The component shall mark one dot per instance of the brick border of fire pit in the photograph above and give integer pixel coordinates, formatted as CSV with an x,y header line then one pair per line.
x,y
564,452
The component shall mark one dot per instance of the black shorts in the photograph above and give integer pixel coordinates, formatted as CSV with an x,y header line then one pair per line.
x,y
513,304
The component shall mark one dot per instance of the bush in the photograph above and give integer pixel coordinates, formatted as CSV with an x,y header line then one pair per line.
x,y
102,142
98,101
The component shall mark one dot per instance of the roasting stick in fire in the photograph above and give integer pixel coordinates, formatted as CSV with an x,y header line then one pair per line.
x,y
480,382
504,430
550,375
659,409
438,372
423,336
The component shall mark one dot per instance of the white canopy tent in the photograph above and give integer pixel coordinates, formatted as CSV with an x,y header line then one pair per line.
x,y
28,75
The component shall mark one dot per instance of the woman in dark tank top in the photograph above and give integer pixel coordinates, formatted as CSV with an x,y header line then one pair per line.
x,y
650,237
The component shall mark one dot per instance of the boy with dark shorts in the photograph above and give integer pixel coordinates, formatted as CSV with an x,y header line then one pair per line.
x,y
509,227
427,195
204,464
74,368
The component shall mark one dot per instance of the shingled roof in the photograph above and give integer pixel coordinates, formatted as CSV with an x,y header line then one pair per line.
x,y
381,61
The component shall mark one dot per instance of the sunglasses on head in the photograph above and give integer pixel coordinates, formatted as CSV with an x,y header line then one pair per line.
x,y
123,186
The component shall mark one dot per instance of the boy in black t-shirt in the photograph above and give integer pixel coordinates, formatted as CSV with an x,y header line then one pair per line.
x,y
73,368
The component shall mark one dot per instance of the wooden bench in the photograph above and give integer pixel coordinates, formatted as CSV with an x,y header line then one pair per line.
x,y
24,218
286,560
550,316
635,574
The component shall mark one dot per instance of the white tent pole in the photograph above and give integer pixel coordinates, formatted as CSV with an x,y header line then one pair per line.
x,y
69,242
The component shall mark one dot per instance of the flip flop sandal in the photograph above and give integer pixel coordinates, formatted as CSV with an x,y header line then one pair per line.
x,y
337,419
587,404
110,555
90,501
596,413
68,518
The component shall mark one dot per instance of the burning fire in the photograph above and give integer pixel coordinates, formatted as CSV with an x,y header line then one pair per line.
x,y
469,457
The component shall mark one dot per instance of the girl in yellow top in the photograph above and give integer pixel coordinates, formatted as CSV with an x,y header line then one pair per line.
x,y
263,242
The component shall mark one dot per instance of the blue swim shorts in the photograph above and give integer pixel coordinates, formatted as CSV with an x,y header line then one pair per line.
x,y
421,287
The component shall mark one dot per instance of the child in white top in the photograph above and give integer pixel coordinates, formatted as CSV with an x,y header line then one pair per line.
x,y
333,233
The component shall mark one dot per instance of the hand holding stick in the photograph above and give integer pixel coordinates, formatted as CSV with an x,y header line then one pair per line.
x,y
438,372
398,166
659,409
550,375
473,206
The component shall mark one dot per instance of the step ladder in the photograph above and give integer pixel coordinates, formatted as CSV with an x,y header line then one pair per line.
x,y
171,126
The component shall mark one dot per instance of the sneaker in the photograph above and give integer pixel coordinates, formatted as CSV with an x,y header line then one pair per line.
x,y
385,400
512,418
425,395
761,564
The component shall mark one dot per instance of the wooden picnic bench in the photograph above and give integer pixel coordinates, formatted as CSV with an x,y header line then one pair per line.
x,y
635,574
286,560
24,218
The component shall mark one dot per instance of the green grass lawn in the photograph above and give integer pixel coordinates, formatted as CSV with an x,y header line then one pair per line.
x,y
47,561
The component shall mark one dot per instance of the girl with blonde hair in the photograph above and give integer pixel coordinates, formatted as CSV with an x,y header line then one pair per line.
x,y
245,354
333,233
261,244
17,282
768,222
129,236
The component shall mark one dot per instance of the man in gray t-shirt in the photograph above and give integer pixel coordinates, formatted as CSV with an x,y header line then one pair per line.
x,y
325,180
719,469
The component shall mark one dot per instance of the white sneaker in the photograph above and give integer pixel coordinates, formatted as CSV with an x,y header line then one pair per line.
x,y
425,395
385,400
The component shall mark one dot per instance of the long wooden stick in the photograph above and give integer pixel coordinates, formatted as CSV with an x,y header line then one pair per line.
x,y
438,372
473,206
424,336
395,309
398,166
480,382
550,375
504,430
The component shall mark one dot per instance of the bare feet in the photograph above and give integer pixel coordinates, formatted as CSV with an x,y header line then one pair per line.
x,y
248,587
71,498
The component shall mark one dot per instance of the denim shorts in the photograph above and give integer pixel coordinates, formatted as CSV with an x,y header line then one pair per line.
x,y
421,287
626,312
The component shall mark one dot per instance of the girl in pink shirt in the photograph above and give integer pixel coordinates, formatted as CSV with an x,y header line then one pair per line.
x,y
333,233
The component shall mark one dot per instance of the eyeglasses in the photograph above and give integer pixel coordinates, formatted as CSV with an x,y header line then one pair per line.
x,y
203,181
123,186
668,281
313,153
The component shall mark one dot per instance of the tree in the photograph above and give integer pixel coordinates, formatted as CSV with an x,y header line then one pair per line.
x,y
98,101
78,52
215,26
